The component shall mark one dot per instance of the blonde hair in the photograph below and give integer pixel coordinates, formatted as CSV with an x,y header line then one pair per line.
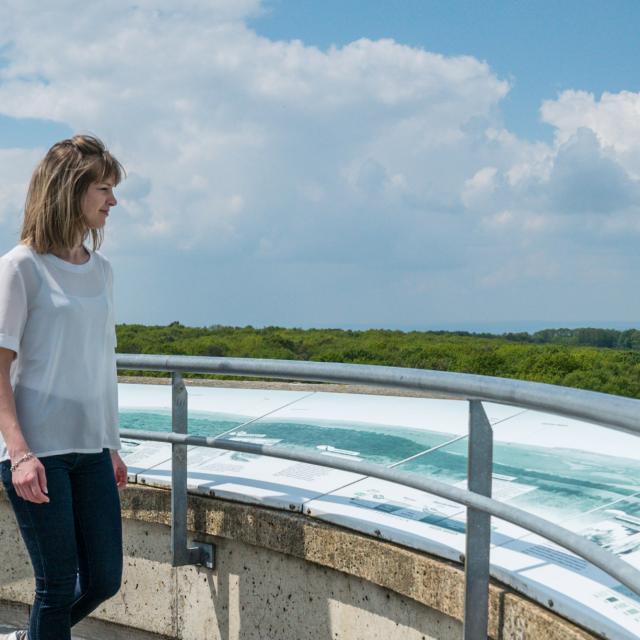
x,y
52,214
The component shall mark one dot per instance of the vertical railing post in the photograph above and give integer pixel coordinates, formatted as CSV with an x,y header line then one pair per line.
x,y
478,542
182,554
179,424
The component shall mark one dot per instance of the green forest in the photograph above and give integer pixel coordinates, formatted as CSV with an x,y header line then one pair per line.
x,y
598,359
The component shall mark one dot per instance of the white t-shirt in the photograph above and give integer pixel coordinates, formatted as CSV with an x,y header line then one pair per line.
x,y
58,317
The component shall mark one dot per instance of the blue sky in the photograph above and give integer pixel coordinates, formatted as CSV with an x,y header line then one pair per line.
x,y
359,163
543,47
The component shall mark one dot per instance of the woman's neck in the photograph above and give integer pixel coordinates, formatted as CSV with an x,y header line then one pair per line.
x,y
75,255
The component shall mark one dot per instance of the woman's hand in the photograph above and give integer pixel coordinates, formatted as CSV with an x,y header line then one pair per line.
x,y
30,481
119,470
29,478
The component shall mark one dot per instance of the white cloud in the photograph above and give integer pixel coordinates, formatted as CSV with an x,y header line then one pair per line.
x,y
615,120
479,187
375,154
16,166
206,112
577,186
585,180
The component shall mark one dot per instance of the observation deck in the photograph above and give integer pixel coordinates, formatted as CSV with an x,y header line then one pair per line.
x,y
304,513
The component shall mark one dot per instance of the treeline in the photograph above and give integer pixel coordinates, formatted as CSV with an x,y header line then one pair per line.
x,y
587,336
556,356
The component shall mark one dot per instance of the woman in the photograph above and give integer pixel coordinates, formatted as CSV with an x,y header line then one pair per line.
x,y
59,441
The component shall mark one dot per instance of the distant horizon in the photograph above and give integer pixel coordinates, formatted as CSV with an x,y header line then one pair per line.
x,y
496,328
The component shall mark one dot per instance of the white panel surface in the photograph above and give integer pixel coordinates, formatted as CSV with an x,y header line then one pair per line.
x,y
250,478
252,403
448,416
577,589
140,456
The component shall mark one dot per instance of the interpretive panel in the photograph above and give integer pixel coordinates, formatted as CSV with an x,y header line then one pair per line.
x,y
589,467
573,473
238,406
251,478
140,456
378,429
573,587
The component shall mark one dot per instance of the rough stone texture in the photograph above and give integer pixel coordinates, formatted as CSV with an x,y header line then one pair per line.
x,y
278,575
16,577
526,620
147,597
257,593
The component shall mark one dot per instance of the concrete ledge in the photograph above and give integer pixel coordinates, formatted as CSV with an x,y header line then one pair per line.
x,y
279,575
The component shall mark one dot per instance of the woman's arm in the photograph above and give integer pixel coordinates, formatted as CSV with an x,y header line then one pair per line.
x,y
119,469
29,479
9,427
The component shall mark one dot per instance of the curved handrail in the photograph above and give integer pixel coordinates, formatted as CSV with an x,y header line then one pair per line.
x,y
616,412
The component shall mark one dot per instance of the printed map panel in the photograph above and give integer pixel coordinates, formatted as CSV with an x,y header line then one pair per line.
x,y
251,478
573,473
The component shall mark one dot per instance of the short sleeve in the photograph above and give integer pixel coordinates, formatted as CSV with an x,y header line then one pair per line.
x,y
13,305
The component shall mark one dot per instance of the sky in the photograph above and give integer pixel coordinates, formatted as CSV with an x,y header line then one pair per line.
x,y
354,163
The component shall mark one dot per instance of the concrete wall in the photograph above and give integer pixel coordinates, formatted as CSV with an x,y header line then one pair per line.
x,y
278,576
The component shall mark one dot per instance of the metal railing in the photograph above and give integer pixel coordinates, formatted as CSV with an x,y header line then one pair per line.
x,y
614,412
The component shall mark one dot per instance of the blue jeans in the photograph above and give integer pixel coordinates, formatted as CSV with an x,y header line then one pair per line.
x,y
74,540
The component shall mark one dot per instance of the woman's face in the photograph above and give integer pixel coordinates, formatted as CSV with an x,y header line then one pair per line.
x,y
96,202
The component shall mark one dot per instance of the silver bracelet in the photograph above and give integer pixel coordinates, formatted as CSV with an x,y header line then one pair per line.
x,y
26,456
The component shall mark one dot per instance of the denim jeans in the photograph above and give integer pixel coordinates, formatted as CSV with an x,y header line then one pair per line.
x,y
74,540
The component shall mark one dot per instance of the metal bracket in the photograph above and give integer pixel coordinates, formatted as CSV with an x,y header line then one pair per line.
x,y
203,553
